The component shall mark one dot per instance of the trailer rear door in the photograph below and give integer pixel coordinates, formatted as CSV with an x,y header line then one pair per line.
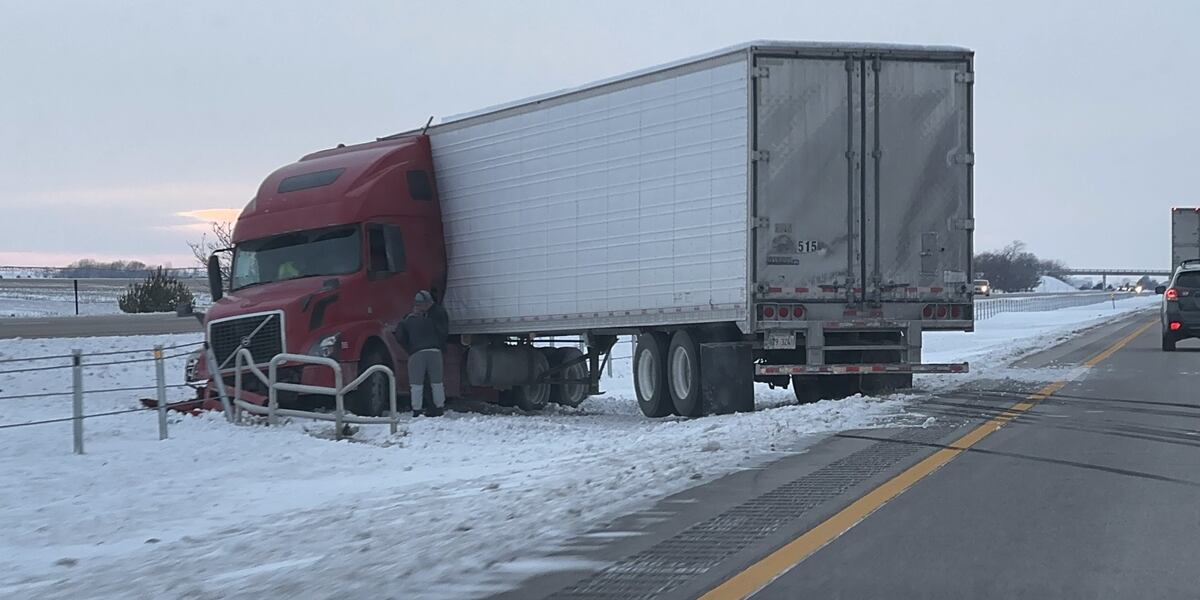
x,y
917,168
806,170
862,178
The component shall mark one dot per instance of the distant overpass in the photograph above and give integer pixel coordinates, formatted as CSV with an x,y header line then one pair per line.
x,y
1115,272
1104,273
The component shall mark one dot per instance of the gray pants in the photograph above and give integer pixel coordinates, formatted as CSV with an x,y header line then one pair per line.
x,y
421,363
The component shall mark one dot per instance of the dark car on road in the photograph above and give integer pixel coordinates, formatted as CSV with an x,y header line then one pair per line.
x,y
1181,305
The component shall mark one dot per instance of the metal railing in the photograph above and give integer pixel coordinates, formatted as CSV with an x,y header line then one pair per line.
x,y
986,309
244,363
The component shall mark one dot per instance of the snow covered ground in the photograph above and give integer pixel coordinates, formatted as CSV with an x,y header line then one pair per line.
x,y
221,511
56,297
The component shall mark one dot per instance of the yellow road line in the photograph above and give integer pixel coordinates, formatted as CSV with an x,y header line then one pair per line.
x,y
762,573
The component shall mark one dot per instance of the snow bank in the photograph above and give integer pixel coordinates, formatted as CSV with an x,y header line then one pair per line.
x,y
1006,337
256,512
1053,285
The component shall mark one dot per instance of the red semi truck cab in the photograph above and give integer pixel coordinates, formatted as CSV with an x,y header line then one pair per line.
x,y
327,258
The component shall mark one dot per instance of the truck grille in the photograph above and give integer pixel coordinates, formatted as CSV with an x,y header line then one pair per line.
x,y
225,337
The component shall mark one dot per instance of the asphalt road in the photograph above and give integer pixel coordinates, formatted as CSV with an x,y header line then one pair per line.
x,y
1088,488
1093,493
99,325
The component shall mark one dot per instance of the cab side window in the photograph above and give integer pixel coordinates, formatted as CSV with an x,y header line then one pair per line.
x,y
386,247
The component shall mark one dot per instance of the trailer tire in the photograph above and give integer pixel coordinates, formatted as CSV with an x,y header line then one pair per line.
x,y
683,374
886,384
533,397
569,394
814,388
806,388
650,375
371,399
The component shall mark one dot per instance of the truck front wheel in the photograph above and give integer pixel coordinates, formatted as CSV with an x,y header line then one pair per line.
x,y
650,375
683,374
372,399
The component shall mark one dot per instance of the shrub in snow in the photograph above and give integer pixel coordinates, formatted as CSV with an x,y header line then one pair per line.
x,y
159,292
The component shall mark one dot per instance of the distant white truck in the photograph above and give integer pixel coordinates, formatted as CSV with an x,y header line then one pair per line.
x,y
1185,235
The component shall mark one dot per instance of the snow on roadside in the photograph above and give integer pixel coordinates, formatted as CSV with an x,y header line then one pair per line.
x,y
256,512
1006,337
1053,285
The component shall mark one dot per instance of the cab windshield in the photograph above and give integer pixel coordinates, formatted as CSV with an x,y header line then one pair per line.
x,y
327,251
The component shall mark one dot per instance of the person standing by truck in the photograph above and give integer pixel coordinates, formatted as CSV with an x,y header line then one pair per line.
x,y
423,335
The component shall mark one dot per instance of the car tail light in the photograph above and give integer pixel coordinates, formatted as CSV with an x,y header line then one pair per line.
x,y
768,311
785,312
1176,326
1172,294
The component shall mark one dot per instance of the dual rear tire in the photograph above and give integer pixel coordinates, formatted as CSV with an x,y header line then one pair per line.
x,y
667,374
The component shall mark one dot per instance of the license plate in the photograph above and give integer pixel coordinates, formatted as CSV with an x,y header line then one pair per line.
x,y
780,340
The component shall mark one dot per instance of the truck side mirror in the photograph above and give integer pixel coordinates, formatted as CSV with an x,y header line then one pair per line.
x,y
215,286
1160,290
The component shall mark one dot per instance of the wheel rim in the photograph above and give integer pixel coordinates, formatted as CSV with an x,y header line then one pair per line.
x,y
575,393
538,395
681,372
646,379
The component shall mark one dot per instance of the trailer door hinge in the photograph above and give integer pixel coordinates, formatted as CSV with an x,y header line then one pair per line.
x,y
968,224
964,77
964,159
762,222
760,155
761,72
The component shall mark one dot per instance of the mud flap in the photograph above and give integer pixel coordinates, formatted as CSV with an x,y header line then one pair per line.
x,y
727,377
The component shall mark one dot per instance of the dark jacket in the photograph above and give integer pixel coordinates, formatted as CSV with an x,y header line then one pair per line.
x,y
424,332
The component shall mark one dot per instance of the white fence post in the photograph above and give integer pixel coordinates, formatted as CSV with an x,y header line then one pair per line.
x,y
77,400
161,385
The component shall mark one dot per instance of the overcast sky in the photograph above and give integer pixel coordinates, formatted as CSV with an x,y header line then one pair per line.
x,y
122,123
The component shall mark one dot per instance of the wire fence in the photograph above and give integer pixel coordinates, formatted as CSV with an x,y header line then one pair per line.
x,y
77,362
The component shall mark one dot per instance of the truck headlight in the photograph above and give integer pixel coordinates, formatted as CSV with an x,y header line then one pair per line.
x,y
328,346
189,371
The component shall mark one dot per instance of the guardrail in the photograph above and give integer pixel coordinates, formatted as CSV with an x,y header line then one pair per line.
x,y
986,309
244,363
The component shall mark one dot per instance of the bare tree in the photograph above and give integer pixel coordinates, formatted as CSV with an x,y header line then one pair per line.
x,y
1013,268
221,238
